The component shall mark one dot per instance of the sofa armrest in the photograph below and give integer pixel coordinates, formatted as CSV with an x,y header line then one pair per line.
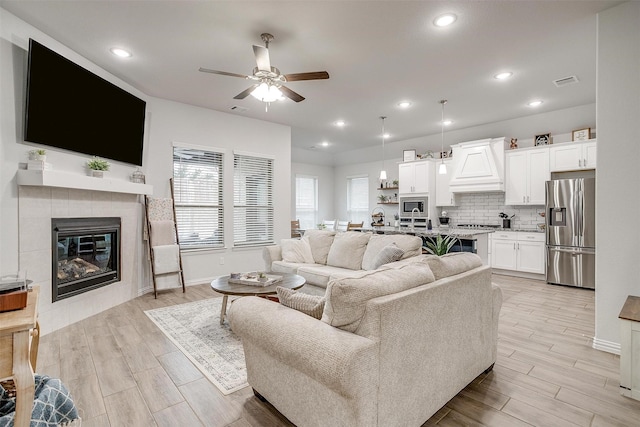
x,y
338,359
271,254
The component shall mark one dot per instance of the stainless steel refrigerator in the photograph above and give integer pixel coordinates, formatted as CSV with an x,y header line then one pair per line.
x,y
571,232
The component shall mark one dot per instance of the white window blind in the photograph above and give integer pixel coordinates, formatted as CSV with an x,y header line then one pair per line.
x,y
307,201
252,200
358,199
197,184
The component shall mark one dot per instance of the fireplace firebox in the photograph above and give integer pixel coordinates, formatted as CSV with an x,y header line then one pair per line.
x,y
85,255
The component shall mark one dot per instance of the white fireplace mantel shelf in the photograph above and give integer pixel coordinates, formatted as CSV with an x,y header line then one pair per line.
x,y
49,178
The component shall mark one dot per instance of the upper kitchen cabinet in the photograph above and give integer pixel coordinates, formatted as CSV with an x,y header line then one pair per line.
x,y
572,156
444,196
478,166
416,177
526,172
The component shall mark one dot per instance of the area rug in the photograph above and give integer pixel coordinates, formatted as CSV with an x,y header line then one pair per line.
x,y
195,328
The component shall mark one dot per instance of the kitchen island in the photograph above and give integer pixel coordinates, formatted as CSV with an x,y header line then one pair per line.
x,y
470,239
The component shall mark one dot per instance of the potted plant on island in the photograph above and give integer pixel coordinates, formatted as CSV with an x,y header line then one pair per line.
x,y
97,166
439,246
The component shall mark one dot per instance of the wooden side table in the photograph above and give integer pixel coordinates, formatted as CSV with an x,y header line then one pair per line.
x,y
630,348
18,353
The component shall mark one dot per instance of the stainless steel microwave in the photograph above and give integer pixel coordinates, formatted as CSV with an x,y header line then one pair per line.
x,y
408,204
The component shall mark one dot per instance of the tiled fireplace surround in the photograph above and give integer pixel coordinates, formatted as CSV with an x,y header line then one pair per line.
x,y
36,206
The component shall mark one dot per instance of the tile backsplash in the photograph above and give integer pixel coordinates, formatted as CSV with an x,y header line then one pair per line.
x,y
483,208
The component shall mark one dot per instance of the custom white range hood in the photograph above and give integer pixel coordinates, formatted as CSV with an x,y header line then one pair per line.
x,y
478,166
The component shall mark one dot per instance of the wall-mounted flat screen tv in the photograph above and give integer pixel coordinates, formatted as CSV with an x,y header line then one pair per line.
x,y
69,107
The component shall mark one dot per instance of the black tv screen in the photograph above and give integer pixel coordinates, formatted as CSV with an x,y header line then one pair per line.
x,y
70,107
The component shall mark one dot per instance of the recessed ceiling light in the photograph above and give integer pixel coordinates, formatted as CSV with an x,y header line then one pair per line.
x,y
120,52
447,122
444,20
386,136
503,76
535,103
340,123
324,143
404,104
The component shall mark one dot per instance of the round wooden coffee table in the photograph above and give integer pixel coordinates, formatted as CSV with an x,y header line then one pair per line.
x,y
222,285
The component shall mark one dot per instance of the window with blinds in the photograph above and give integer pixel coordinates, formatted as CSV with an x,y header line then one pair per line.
x,y
197,187
358,199
307,201
252,200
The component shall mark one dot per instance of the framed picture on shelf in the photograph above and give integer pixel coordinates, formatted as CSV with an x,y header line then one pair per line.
x,y
543,139
408,155
581,134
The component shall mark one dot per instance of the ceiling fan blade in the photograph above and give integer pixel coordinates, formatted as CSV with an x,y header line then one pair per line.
x,y
262,58
224,73
315,75
291,94
246,92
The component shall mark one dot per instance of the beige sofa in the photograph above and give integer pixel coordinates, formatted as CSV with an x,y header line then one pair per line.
x,y
393,346
338,254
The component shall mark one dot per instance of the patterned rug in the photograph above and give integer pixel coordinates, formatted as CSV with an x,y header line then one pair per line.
x,y
195,328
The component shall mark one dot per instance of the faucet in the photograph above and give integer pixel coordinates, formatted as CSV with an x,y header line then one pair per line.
x,y
412,219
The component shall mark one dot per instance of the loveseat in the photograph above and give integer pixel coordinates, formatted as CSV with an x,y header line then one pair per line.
x,y
392,347
323,255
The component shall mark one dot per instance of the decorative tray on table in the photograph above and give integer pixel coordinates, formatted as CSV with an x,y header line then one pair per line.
x,y
254,279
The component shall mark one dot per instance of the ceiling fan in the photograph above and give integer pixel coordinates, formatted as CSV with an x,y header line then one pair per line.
x,y
268,81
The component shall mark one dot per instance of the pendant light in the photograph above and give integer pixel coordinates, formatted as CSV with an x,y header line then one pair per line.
x,y
383,172
442,170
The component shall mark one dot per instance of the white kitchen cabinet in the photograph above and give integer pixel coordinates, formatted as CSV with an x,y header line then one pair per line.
x,y
415,177
527,171
444,196
572,156
518,251
630,348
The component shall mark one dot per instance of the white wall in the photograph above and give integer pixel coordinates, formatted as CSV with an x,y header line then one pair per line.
x,y
325,175
174,122
372,170
618,174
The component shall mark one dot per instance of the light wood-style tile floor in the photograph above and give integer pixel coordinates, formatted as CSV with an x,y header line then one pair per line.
x,y
122,371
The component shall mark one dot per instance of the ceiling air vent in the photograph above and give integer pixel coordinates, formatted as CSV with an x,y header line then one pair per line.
x,y
238,109
566,81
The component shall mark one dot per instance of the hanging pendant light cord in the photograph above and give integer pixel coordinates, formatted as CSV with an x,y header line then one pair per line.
x,y
444,101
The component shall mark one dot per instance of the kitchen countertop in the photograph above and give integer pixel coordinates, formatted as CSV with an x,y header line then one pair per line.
x,y
449,231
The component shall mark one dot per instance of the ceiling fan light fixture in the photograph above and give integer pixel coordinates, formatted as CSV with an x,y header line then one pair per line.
x,y
266,93
444,20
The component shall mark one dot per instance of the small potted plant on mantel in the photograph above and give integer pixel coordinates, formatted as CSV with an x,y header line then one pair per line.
x,y
38,154
97,166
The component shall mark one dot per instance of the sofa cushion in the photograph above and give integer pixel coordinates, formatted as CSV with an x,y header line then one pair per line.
x,y
319,275
411,245
347,250
320,242
288,267
347,297
310,305
452,263
296,250
389,253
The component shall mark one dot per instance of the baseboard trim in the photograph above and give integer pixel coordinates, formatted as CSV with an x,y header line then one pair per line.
x,y
148,289
522,274
608,346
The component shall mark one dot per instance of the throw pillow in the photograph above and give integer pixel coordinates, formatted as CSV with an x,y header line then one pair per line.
x,y
411,245
347,250
347,297
296,250
320,242
311,305
453,263
389,253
